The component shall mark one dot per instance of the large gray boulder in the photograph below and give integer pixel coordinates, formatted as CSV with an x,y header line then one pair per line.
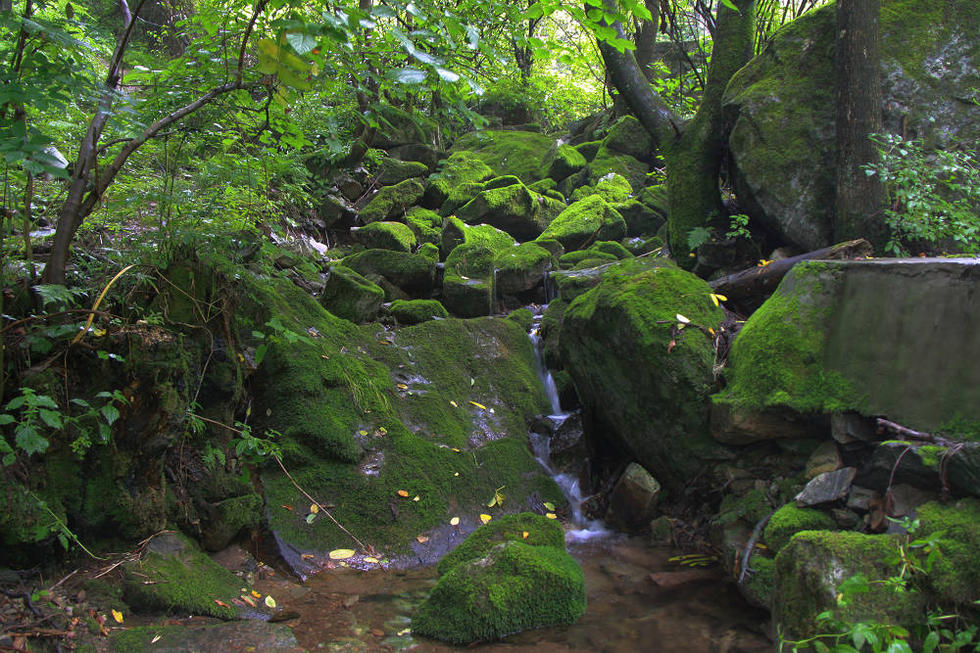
x,y
782,141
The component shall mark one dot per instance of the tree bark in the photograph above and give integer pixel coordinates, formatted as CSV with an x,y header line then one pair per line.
x,y
859,198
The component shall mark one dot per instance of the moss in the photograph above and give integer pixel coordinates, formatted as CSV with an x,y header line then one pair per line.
x,y
562,161
460,168
777,359
607,161
628,136
613,188
955,575
760,581
182,579
814,564
508,152
543,186
612,247
540,531
392,201
750,508
501,182
511,208
229,518
589,257
521,268
425,224
386,235
460,196
394,171
429,252
585,222
640,219
350,296
515,587
790,520
417,310
589,149
412,274
523,317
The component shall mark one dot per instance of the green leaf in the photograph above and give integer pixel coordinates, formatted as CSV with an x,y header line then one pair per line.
x,y
447,75
29,439
729,4
52,418
301,42
6,419
110,413
407,75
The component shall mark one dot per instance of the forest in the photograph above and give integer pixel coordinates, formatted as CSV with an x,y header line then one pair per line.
x,y
388,325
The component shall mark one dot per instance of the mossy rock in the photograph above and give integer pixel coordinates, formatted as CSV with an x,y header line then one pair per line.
x,y
608,161
811,568
460,196
627,136
176,576
585,222
514,587
229,517
790,520
242,635
573,259
573,283
394,171
522,317
521,268
955,575
641,220
425,224
459,168
392,201
646,384
511,208
562,161
613,188
456,232
758,585
543,186
508,152
416,311
468,280
351,296
395,236
414,275
589,149
540,531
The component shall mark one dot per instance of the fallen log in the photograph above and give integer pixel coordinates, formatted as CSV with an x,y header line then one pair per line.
x,y
756,284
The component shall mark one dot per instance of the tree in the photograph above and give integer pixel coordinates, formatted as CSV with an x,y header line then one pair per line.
x,y
693,151
859,197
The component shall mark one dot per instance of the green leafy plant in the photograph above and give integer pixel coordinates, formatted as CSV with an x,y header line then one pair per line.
x,y
697,237
38,417
933,196
738,226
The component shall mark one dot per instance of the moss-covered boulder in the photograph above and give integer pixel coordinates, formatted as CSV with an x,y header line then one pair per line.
x,y
401,127
392,202
416,311
783,140
459,168
627,136
826,341
395,236
506,578
174,575
955,574
641,220
811,568
235,636
456,232
468,280
394,171
562,161
609,161
790,520
521,268
613,188
351,296
425,224
585,222
508,152
644,382
512,208
402,275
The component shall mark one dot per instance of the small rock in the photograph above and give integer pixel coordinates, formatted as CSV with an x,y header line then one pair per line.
x,y
862,498
661,531
902,500
846,519
827,487
824,459
849,427
634,500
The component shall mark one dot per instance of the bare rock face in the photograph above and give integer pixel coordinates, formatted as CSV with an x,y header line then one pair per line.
x,y
782,104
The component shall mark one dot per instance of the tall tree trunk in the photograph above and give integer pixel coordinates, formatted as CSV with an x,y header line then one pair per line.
x,y
859,198
694,159
646,40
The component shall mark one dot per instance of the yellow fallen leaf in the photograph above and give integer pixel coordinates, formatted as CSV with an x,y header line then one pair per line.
x,y
314,508
156,638
341,554
454,521
453,404
681,319
118,616
455,473
479,405
715,298
307,556
417,498
525,534
270,602
363,432
763,263
551,515
711,331
455,449
492,502
485,518
550,506
370,560
403,493
401,386
422,539
257,595
403,632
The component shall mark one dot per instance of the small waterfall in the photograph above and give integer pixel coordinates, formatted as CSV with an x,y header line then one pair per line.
x,y
541,446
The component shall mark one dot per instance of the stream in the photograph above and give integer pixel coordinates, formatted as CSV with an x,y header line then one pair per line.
x,y
638,597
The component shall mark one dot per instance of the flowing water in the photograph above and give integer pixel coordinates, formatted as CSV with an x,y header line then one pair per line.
x,y
638,598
